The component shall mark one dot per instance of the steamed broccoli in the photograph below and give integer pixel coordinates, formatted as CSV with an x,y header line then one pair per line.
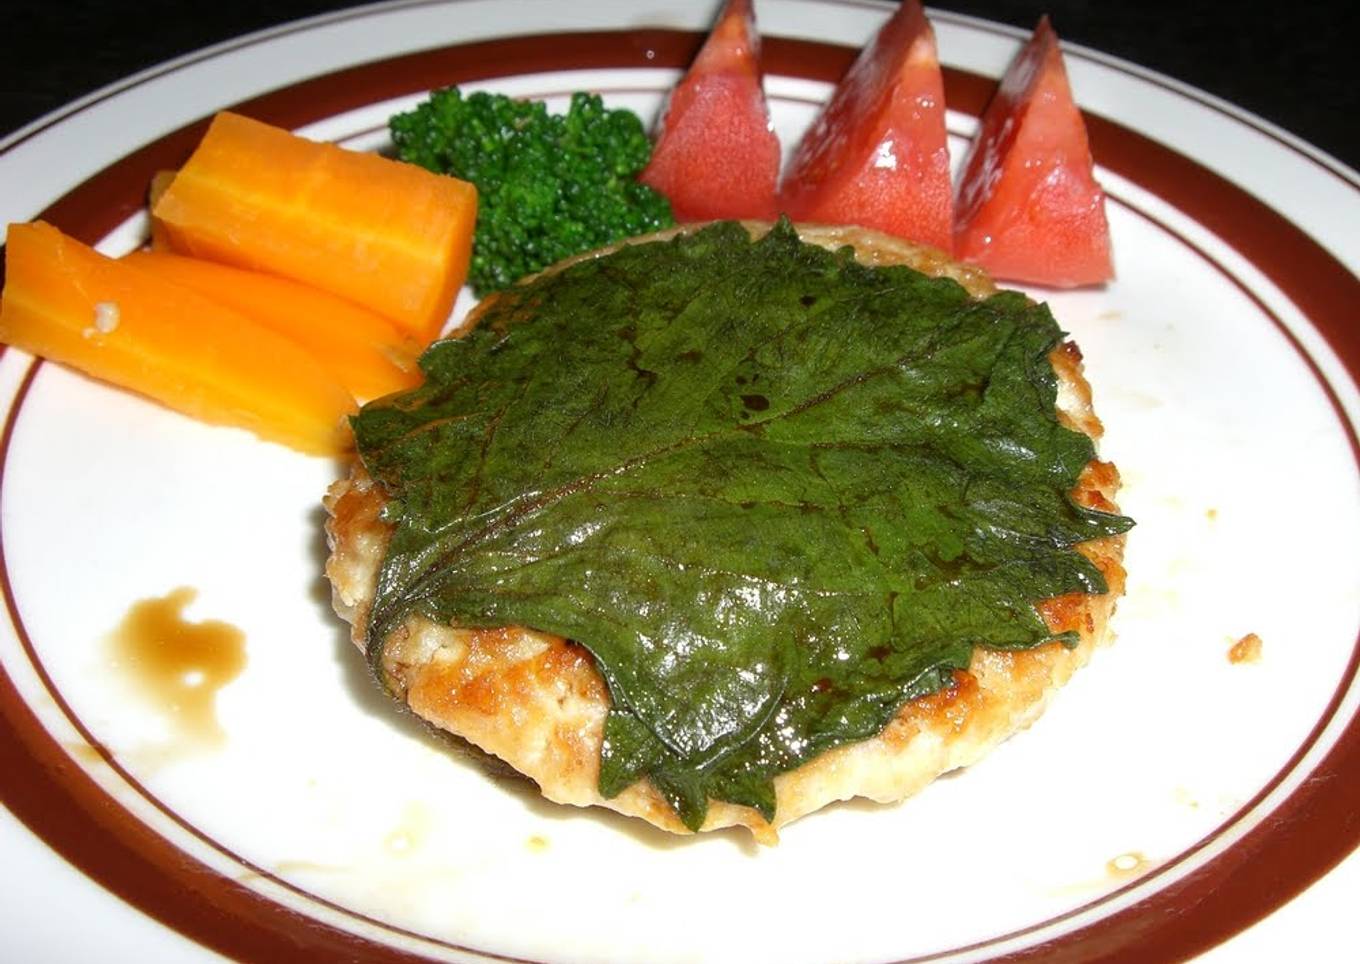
x,y
548,185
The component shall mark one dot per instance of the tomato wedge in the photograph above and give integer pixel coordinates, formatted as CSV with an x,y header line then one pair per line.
x,y
877,154
717,155
1029,208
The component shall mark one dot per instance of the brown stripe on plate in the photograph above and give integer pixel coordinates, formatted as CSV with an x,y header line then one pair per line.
x,y
1309,833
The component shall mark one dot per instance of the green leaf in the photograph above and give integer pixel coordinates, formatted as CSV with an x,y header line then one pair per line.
x,y
774,493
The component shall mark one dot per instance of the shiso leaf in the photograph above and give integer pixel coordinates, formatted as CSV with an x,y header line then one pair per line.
x,y
775,493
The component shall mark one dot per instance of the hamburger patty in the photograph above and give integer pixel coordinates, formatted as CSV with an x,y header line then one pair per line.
x,y
538,702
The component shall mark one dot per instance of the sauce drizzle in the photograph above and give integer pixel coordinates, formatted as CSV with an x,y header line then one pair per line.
x,y
179,665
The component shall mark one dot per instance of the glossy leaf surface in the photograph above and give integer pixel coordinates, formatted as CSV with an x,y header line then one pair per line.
x,y
774,493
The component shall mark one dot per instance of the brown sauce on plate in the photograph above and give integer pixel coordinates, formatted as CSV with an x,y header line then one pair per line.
x,y
178,665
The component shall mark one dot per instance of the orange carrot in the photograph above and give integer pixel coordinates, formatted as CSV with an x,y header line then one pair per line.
x,y
64,301
159,182
361,349
387,235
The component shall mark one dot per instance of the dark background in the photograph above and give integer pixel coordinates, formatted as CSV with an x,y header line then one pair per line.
x,y
1291,64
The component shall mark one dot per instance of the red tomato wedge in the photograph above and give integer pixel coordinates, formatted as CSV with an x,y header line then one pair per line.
x,y
877,154
1029,208
717,155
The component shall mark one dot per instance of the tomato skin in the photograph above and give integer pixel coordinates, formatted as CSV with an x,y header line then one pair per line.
x,y
1028,207
877,154
717,155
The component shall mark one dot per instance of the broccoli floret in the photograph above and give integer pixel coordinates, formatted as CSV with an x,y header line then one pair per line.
x,y
548,185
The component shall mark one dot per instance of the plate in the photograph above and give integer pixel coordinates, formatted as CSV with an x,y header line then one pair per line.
x,y
1169,798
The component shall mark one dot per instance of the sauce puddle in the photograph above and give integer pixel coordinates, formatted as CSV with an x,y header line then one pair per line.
x,y
176,665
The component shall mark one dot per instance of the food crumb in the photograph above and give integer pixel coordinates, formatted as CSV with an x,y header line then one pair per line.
x,y
1184,796
537,844
1211,515
106,318
1126,865
410,834
1246,650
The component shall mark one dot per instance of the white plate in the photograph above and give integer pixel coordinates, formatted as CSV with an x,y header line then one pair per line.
x,y
1137,818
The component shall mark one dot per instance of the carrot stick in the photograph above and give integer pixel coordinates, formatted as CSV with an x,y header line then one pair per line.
x,y
387,235
363,350
66,302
